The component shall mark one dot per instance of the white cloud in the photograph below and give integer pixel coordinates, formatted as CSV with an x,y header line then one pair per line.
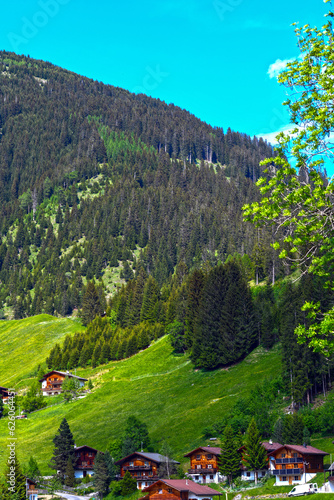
x,y
271,136
278,66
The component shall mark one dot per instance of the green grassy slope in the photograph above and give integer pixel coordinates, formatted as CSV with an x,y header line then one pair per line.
x,y
163,390
26,343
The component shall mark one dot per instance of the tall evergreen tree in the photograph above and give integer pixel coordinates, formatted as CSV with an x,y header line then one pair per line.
x,y
91,304
64,449
229,460
101,475
255,455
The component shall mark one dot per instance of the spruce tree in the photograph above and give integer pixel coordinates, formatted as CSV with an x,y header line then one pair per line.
x,y
255,455
91,304
18,490
229,460
63,450
69,474
32,471
101,475
129,484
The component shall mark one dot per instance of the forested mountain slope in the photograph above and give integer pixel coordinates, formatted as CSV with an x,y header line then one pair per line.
x,y
94,179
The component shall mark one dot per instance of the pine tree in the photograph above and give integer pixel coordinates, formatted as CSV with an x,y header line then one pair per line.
x,y
255,455
91,304
32,471
16,491
129,484
63,450
229,460
69,474
101,475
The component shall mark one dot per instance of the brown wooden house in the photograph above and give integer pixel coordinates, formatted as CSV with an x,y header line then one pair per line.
x,y
295,464
249,475
52,382
142,466
84,456
31,489
204,464
178,489
4,394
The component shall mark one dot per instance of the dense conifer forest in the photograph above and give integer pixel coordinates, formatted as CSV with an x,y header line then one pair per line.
x,y
96,184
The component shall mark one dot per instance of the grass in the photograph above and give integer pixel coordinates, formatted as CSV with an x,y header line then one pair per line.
x,y
26,343
165,391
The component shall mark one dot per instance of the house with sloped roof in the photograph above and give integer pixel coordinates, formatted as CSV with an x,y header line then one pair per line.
x,y
178,489
84,460
204,467
52,382
249,475
296,464
143,467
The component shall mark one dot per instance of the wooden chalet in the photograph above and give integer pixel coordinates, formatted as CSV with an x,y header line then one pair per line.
x,y
31,488
178,489
295,464
52,382
85,456
4,394
204,465
249,475
143,467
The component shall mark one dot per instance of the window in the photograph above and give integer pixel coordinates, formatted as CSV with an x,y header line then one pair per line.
x,y
170,490
296,478
263,473
248,474
198,466
160,492
283,455
295,455
211,476
209,456
90,454
147,464
198,457
209,466
284,478
131,464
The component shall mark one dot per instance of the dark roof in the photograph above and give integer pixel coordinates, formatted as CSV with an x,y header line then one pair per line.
x,y
304,450
156,457
66,374
210,449
186,485
76,448
271,446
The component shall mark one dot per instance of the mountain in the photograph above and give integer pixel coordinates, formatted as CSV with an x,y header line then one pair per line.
x,y
96,182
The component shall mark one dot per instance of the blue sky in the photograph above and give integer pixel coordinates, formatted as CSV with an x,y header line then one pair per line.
x,y
210,57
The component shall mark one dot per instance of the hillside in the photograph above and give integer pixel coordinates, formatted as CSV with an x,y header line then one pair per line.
x,y
26,343
95,180
163,390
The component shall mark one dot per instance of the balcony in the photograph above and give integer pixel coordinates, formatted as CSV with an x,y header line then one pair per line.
x,y
146,478
84,465
202,471
137,467
287,472
296,460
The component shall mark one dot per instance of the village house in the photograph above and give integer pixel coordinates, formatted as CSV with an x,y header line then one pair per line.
x,y
249,475
143,467
204,466
52,382
4,394
296,464
31,488
84,456
178,489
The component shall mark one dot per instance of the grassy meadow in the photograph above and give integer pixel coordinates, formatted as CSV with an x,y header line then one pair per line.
x,y
163,390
